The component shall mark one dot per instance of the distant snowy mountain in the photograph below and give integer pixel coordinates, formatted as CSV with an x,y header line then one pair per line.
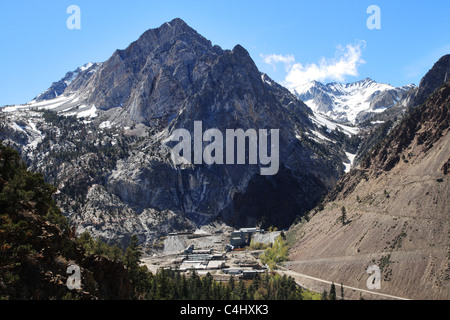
x,y
352,102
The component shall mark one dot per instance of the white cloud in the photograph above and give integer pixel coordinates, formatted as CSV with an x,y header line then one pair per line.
x,y
345,63
273,59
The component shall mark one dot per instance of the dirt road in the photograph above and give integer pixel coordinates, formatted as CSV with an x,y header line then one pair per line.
x,y
319,285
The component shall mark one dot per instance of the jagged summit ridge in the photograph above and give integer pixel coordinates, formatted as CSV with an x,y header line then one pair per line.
x,y
58,88
351,102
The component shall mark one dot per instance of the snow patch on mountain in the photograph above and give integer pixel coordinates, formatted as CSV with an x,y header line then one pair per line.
x,y
69,105
323,121
351,158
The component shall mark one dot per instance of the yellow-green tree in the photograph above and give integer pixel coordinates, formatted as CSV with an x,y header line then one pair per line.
x,y
277,253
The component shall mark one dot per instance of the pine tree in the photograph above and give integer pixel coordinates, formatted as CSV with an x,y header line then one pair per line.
x,y
138,275
241,290
133,254
332,294
216,291
232,287
207,282
343,215
184,288
195,286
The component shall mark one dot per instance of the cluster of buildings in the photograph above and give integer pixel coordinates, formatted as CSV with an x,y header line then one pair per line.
x,y
192,259
241,238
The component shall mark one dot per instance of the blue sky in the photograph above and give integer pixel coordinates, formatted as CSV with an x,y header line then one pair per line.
x,y
292,41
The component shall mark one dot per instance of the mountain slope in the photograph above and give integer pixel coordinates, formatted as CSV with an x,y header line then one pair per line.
x,y
37,247
396,205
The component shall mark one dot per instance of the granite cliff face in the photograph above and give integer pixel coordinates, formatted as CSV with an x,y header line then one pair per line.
x,y
102,141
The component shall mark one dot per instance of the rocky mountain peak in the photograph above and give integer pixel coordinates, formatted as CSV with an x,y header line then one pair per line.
x,y
439,73
111,164
167,34
59,87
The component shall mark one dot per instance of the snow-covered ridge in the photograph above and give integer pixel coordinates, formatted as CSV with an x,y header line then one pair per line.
x,y
347,102
59,87
70,105
60,100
